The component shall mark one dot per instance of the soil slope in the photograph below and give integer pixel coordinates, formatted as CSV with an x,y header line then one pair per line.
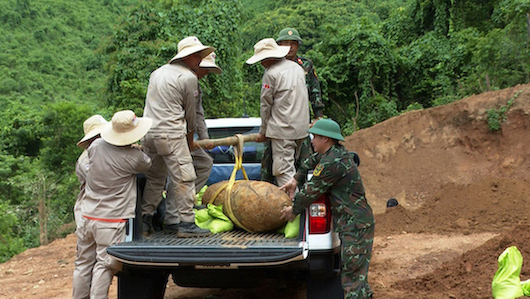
x,y
463,194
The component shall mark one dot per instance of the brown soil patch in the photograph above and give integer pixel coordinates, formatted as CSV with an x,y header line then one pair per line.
x,y
463,194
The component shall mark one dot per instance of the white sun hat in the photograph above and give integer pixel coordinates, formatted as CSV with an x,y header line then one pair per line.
x,y
209,62
268,48
125,128
92,127
191,45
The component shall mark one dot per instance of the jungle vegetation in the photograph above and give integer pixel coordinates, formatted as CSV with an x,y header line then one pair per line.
x,y
63,61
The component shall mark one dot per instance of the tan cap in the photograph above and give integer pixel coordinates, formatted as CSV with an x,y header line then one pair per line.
x,y
92,127
268,48
125,128
209,62
191,45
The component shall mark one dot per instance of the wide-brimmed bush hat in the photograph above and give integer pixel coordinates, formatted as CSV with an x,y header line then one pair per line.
x,y
126,128
268,48
209,63
92,127
191,45
289,34
328,128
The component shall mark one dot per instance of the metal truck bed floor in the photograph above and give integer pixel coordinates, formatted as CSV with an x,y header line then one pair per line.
x,y
234,238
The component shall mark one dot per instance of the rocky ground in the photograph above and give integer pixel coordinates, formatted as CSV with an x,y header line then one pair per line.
x,y
463,193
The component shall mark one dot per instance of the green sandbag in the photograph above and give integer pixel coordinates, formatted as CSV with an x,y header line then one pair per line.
x,y
221,222
212,218
198,196
219,226
202,218
506,283
525,285
291,229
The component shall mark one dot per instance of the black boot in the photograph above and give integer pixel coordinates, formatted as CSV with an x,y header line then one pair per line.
x,y
190,229
147,225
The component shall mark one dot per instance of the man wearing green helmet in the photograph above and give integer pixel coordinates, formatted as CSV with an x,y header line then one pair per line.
x,y
291,38
335,174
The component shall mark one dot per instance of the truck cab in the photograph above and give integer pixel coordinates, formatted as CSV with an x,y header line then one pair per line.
x,y
236,258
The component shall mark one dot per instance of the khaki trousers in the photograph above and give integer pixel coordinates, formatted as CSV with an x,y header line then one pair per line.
x,y
284,155
203,163
94,239
169,156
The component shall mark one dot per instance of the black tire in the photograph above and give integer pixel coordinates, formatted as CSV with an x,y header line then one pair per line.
x,y
142,284
328,287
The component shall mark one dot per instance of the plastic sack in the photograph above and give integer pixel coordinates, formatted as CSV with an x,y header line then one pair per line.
x,y
198,196
506,283
525,285
291,229
213,219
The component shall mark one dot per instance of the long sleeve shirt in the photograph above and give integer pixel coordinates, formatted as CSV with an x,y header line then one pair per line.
x,y
284,102
335,174
110,191
171,100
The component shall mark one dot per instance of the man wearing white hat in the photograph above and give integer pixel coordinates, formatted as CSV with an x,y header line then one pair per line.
x,y
171,101
110,192
202,161
84,262
284,106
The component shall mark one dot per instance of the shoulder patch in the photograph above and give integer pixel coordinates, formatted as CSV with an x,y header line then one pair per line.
x,y
265,86
196,93
318,170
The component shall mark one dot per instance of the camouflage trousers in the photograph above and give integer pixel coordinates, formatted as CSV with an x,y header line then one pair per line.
x,y
306,150
356,253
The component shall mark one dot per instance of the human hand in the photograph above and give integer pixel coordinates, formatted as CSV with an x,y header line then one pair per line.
x,y
260,138
290,187
287,214
314,121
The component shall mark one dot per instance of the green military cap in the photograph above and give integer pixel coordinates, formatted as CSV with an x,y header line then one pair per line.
x,y
289,34
328,128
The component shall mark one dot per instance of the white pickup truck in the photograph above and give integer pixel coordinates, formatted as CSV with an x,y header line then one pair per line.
x,y
236,258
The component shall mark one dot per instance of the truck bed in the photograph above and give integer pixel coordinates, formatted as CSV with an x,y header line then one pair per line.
x,y
229,249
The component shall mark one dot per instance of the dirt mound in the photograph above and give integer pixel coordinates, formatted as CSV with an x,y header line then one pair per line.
x,y
411,156
463,194
470,275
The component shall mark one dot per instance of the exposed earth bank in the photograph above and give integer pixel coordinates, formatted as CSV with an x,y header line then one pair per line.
x,y
463,193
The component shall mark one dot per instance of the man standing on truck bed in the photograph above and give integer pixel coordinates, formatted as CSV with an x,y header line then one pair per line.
x,y
110,193
202,161
171,101
291,38
335,174
284,107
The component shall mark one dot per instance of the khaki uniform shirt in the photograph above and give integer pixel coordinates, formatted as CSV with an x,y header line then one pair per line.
x,y
110,191
202,131
284,102
171,100
81,169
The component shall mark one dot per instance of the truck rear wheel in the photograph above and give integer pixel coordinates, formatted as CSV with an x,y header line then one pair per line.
x,y
328,287
142,284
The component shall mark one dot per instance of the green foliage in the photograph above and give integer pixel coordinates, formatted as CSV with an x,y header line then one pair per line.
x,y
497,116
10,243
148,38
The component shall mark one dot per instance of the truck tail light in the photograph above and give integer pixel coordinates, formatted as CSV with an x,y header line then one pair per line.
x,y
320,216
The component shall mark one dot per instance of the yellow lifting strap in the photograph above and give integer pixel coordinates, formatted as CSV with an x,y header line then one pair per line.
x,y
238,153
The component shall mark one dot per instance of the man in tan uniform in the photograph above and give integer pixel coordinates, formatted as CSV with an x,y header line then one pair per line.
x,y
202,161
110,192
171,102
284,102
85,257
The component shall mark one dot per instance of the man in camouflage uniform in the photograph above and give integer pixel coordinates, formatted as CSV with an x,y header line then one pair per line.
x,y
335,173
290,37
